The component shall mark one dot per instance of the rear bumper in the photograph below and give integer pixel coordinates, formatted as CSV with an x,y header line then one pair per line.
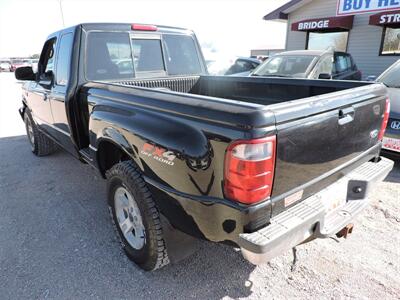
x,y
311,218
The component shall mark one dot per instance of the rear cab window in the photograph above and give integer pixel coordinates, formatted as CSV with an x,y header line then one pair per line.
x,y
108,56
148,59
124,55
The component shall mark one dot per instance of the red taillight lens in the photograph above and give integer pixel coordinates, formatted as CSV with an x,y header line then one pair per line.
x,y
249,170
143,27
385,119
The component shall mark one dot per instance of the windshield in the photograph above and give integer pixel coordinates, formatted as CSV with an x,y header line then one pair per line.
x,y
114,56
391,77
285,66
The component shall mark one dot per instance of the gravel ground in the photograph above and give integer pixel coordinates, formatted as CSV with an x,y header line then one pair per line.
x,y
56,240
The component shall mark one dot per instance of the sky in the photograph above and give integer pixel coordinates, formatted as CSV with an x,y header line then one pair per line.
x,y
230,27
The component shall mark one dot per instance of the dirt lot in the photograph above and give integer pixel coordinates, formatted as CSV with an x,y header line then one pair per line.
x,y
56,240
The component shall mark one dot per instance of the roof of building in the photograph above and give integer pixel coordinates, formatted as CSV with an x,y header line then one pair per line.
x,y
281,13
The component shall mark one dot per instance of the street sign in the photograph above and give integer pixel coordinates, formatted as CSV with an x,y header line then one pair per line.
x,y
354,7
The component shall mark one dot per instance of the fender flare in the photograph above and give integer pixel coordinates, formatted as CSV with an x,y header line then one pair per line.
x,y
115,137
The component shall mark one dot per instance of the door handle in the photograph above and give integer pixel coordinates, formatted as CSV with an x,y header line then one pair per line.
x,y
346,115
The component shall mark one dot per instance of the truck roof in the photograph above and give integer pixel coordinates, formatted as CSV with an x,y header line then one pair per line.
x,y
123,27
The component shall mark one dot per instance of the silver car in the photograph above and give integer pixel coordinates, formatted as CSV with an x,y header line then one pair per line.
x,y
391,78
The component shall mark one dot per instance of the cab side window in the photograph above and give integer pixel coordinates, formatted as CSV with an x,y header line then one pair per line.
x,y
64,59
47,57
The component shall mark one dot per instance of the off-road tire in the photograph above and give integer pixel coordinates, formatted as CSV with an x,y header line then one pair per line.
x,y
41,145
153,255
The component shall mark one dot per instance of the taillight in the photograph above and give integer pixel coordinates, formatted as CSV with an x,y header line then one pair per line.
x,y
143,27
249,169
385,119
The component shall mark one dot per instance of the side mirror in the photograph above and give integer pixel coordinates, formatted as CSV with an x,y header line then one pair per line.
x,y
24,73
46,79
324,76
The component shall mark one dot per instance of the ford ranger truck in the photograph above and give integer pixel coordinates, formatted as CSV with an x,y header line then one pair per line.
x,y
262,164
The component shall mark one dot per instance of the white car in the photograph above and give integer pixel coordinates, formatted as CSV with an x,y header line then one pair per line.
x,y
5,66
391,78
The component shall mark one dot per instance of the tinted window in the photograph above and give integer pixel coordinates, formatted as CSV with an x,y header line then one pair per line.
x,y
342,63
107,54
147,55
181,55
63,59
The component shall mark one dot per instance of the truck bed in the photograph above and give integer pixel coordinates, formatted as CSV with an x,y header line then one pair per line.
x,y
264,91
324,128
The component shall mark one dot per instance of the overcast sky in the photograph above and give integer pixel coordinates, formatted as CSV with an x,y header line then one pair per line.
x,y
230,26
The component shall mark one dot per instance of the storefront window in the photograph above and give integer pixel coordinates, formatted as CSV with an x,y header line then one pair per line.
x,y
325,40
390,41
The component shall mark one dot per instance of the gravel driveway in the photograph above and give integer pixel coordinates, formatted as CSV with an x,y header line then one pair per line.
x,y
56,240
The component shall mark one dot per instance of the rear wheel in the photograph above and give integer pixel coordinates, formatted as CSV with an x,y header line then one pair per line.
x,y
136,217
41,145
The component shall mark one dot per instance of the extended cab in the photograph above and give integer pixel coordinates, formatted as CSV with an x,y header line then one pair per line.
x,y
263,164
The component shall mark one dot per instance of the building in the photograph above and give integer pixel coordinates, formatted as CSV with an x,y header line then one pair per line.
x,y
373,39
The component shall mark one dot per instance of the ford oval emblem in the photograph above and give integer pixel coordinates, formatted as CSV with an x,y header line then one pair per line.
x,y
374,133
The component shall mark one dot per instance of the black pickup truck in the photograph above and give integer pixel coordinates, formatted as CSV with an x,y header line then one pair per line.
x,y
263,164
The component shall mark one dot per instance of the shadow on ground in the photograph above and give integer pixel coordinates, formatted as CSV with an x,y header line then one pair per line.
x,y
394,175
57,240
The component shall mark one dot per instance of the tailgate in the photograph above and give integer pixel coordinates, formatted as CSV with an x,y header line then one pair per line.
x,y
339,132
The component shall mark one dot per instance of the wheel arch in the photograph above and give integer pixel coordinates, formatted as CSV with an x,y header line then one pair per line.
x,y
112,148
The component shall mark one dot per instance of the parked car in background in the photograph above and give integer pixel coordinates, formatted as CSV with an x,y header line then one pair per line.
x,y
232,66
5,66
391,78
243,64
311,64
16,63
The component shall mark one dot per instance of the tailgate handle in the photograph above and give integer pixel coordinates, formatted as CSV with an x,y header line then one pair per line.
x,y
346,115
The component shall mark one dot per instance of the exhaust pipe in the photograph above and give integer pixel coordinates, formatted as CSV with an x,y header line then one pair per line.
x,y
345,231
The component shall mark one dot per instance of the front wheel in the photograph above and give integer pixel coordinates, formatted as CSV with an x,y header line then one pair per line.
x,y
136,217
40,144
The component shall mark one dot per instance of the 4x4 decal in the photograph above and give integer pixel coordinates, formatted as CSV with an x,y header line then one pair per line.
x,y
158,153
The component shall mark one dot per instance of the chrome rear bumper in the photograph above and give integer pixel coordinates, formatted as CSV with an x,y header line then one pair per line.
x,y
310,218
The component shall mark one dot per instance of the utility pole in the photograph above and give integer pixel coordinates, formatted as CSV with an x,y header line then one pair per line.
x,y
62,13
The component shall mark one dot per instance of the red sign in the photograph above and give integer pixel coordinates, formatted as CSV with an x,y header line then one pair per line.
x,y
324,23
385,18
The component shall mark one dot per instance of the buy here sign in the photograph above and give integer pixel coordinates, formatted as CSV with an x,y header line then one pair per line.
x,y
353,7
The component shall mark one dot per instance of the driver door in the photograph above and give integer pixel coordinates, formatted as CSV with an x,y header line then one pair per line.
x,y
41,88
